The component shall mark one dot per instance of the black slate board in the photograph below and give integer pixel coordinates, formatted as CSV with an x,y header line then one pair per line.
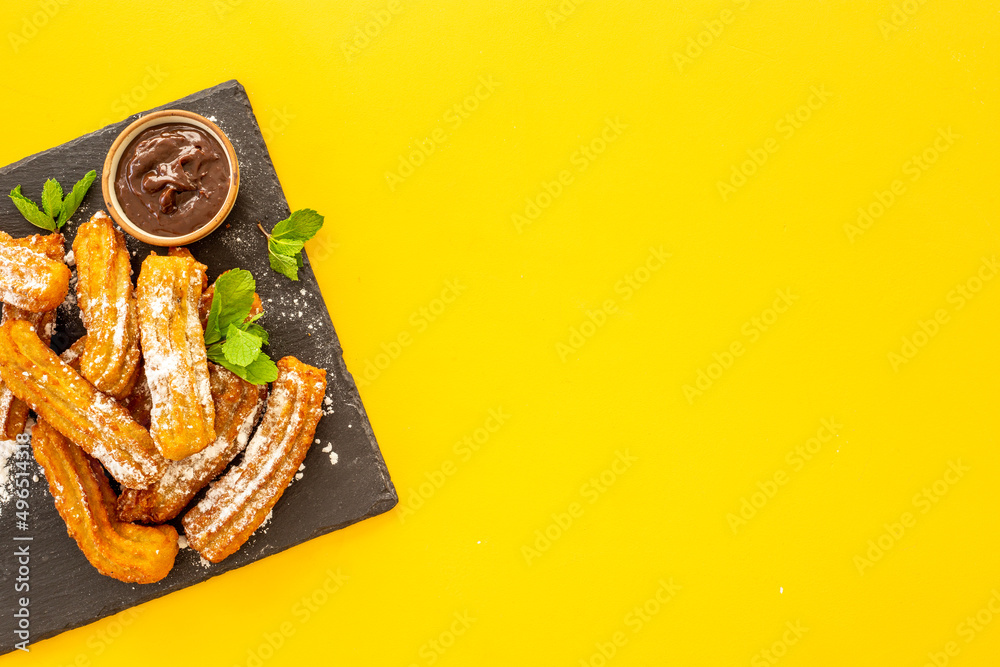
x,y
66,591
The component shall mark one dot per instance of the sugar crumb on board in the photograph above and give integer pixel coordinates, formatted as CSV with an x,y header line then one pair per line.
x,y
329,450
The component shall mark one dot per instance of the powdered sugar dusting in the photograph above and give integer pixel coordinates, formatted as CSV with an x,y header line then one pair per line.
x,y
8,450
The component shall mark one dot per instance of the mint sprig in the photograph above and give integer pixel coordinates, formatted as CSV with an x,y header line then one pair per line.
x,y
56,209
233,339
288,237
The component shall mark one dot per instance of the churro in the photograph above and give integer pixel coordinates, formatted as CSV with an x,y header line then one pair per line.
x,y
14,411
107,304
86,502
29,278
237,504
173,349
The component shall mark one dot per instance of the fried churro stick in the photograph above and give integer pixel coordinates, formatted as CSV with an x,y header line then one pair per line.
x,y
52,245
238,405
107,305
86,502
173,349
14,411
237,504
29,279
73,407
182,252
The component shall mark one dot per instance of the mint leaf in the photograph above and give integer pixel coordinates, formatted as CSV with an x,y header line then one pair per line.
x,y
231,303
52,197
288,237
241,348
284,246
216,355
299,226
256,330
30,211
76,195
261,371
232,338
285,265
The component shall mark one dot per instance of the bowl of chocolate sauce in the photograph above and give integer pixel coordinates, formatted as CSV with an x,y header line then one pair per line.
x,y
171,178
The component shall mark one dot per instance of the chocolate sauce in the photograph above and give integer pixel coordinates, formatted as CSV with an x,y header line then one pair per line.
x,y
172,179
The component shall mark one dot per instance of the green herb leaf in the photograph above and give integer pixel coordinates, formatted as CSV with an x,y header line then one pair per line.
x,y
30,211
233,339
241,348
284,246
231,303
256,330
52,198
216,355
286,240
285,265
299,226
76,195
261,371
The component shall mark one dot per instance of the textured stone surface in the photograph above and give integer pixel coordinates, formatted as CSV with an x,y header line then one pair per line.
x,y
66,591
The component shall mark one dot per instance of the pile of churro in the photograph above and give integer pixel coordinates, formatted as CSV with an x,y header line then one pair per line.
x,y
137,399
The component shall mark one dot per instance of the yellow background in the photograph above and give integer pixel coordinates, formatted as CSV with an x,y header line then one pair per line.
x,y
337,120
